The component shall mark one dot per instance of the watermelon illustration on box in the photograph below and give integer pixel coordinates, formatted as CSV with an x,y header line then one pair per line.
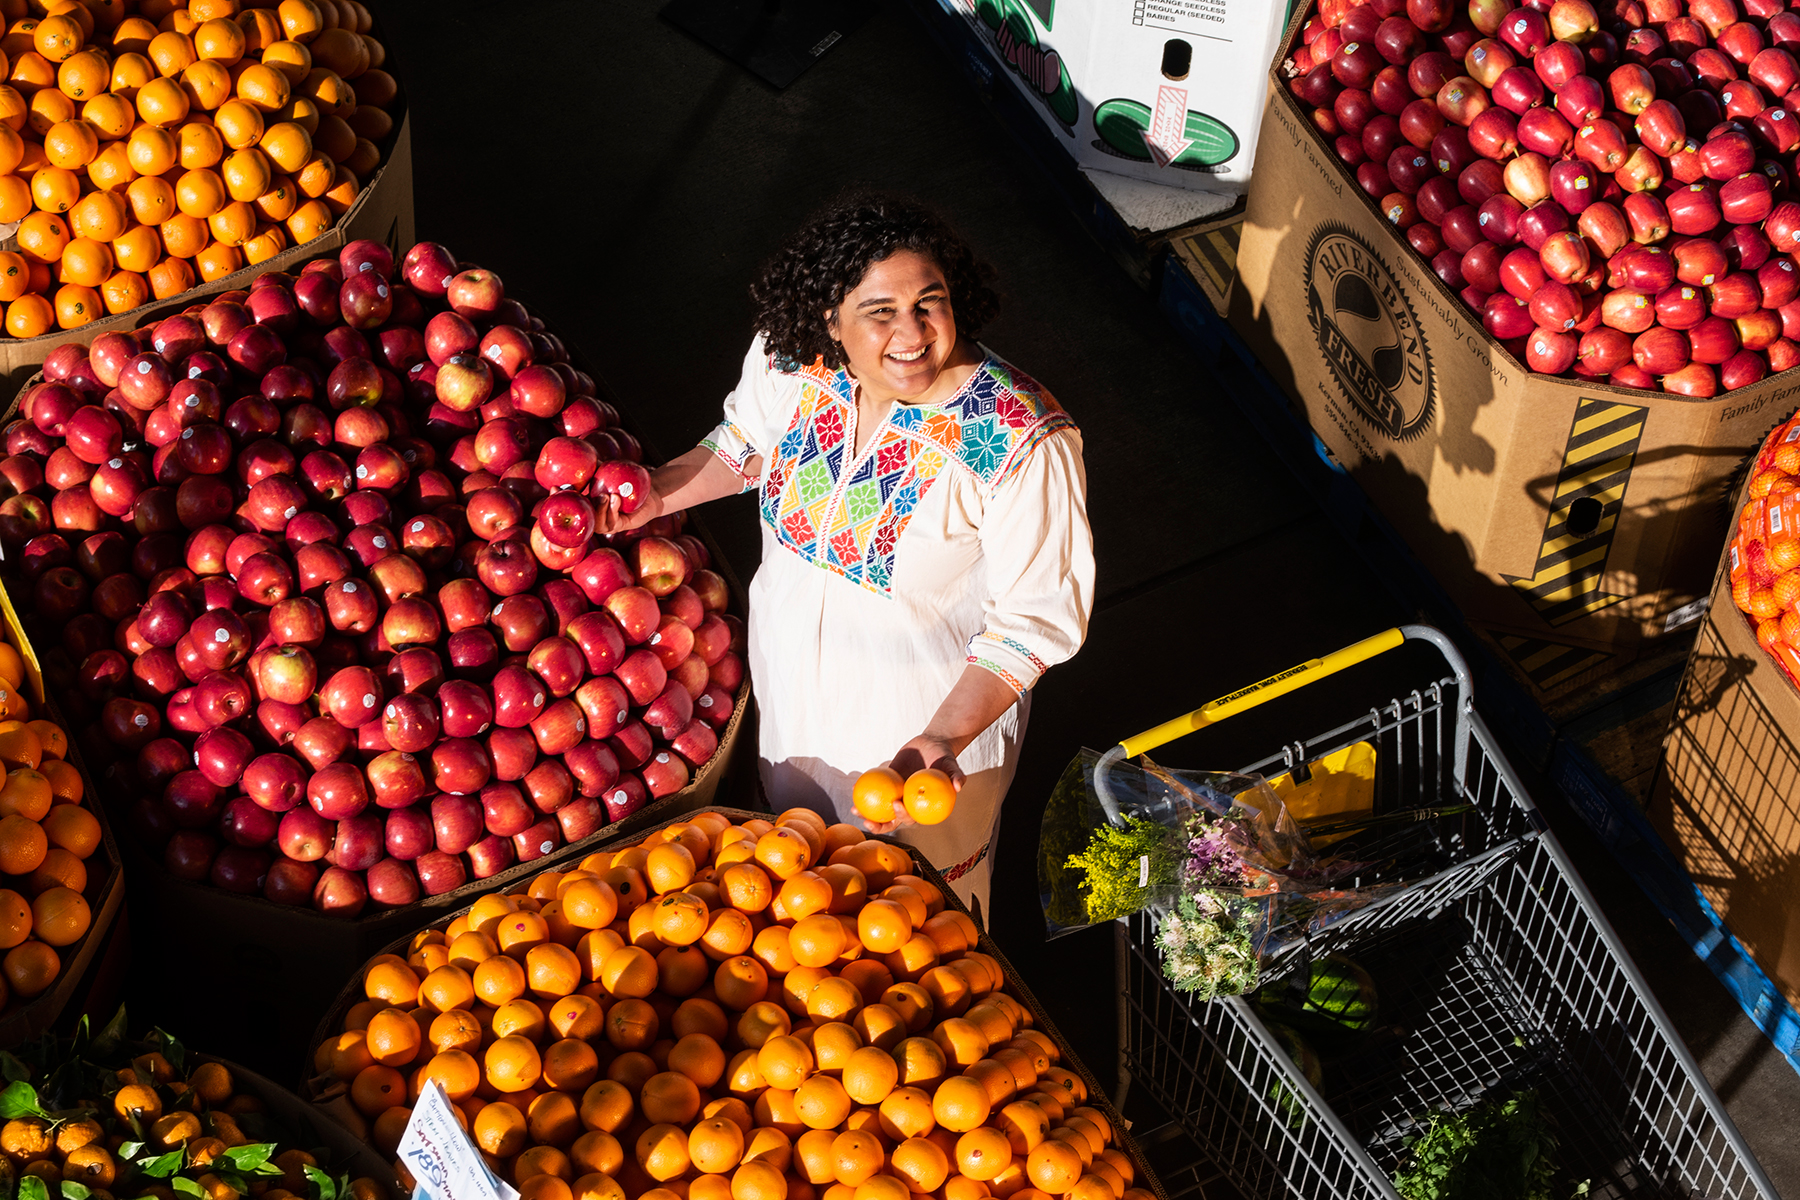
x,y
1165,90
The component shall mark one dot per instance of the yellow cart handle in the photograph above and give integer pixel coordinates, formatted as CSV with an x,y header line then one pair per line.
x,y
1292,680
1244,699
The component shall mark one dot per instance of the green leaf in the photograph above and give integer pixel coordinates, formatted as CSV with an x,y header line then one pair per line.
x,y
75,1191
233,1180
171,1048
20,1100
110,1038
183,1184
164,1165
130,1150
12,1069
33,1188
325,1186
246,1158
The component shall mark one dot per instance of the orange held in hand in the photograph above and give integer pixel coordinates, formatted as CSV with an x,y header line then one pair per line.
x,y
929,797
876,793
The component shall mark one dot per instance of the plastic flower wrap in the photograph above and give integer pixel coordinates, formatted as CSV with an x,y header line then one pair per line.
x,y
1229,873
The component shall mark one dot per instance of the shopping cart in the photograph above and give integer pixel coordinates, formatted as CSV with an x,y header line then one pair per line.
x,y
1495,973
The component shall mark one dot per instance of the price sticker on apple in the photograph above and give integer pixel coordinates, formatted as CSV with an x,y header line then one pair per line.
x,y
442,1159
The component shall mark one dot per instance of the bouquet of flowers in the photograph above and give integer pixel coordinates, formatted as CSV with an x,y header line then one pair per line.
x,y
1230,875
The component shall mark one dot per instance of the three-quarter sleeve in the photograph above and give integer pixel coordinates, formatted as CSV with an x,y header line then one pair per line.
x,y
756,414
1039,556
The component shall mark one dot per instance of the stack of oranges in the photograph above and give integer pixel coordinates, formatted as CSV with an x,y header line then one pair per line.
x,y
756,1011
147,143
46,836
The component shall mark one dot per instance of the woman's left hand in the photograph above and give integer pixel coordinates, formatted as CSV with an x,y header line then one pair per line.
x,y
926,750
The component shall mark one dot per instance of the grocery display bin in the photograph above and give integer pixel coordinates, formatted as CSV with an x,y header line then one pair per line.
x,y
1496,973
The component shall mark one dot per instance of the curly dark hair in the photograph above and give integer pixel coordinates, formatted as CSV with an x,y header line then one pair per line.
x,y
829,255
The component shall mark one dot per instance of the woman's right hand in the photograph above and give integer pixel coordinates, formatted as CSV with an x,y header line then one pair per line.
x,y
608,517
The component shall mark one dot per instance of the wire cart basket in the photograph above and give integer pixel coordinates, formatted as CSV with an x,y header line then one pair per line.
x,y
1495,973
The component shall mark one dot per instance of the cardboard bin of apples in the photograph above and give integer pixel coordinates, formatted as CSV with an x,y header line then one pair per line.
x,y
312,566
1609,186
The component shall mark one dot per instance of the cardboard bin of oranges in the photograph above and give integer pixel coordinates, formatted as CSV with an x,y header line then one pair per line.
x,y
61,882
152,151
735,1007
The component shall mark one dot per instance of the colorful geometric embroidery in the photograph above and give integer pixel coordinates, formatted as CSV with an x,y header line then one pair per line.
x,y
734,455
952,874
1016,647
852,525
1006,677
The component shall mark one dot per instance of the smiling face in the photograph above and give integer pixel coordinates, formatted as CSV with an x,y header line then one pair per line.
x,y
897,328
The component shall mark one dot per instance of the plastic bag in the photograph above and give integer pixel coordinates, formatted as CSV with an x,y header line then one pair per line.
x,y
1217,856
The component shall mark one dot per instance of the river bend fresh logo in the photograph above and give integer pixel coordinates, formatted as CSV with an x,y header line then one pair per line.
x,y
1368,333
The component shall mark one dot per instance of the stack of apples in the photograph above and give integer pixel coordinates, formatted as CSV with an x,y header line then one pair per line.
x,y
1609,187
314,566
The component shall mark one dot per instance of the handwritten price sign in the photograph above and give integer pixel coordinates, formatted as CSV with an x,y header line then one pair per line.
x,y
441,1157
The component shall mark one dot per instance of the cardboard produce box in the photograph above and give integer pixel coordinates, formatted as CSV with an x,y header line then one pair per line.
x,y
1727,796
382,212
1164,90
1556,513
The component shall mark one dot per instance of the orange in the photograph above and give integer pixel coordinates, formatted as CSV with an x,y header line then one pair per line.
x,y
512,1064
668,868
58,38
715,1146
631,1024
961,1040
33,73
54,189
329,91
29,316
152,151
590,904
170,277
71,143
84,76
906,1113
261,28
883,926
220,40
457,1071
815,941
832,999
247,174
960,1104
130,72
200,193
741,982
113,117
670,1097
930,796
870,1075
207,84
163,103
679,918
499,1129
920,1164
629,972
783,853
376,1089
48,108
1053,1167
849,888
393,1038
521,1017
552,971
469,950
60,868
60,916
856,1156
662,1149
875,794
833,1043
760,1022
597,1150
85,262
696,1016
26,792
103,216
821,1102
699,1057
22,844
499,980
198,145
300,19
982,1154
606,1106
15,919
239,124
171,53
729,933
746,887
593,948
446,988
455,1030
541,1160
551,1119
758,1181
15,272
785,1061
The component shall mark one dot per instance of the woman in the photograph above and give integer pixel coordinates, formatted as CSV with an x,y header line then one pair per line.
x,y
926,553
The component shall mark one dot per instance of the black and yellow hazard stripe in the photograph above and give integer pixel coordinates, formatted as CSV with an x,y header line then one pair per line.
x,y
1584,512
1212,256
1547,663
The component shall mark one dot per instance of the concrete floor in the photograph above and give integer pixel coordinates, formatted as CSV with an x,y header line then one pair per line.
x,y
626,182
